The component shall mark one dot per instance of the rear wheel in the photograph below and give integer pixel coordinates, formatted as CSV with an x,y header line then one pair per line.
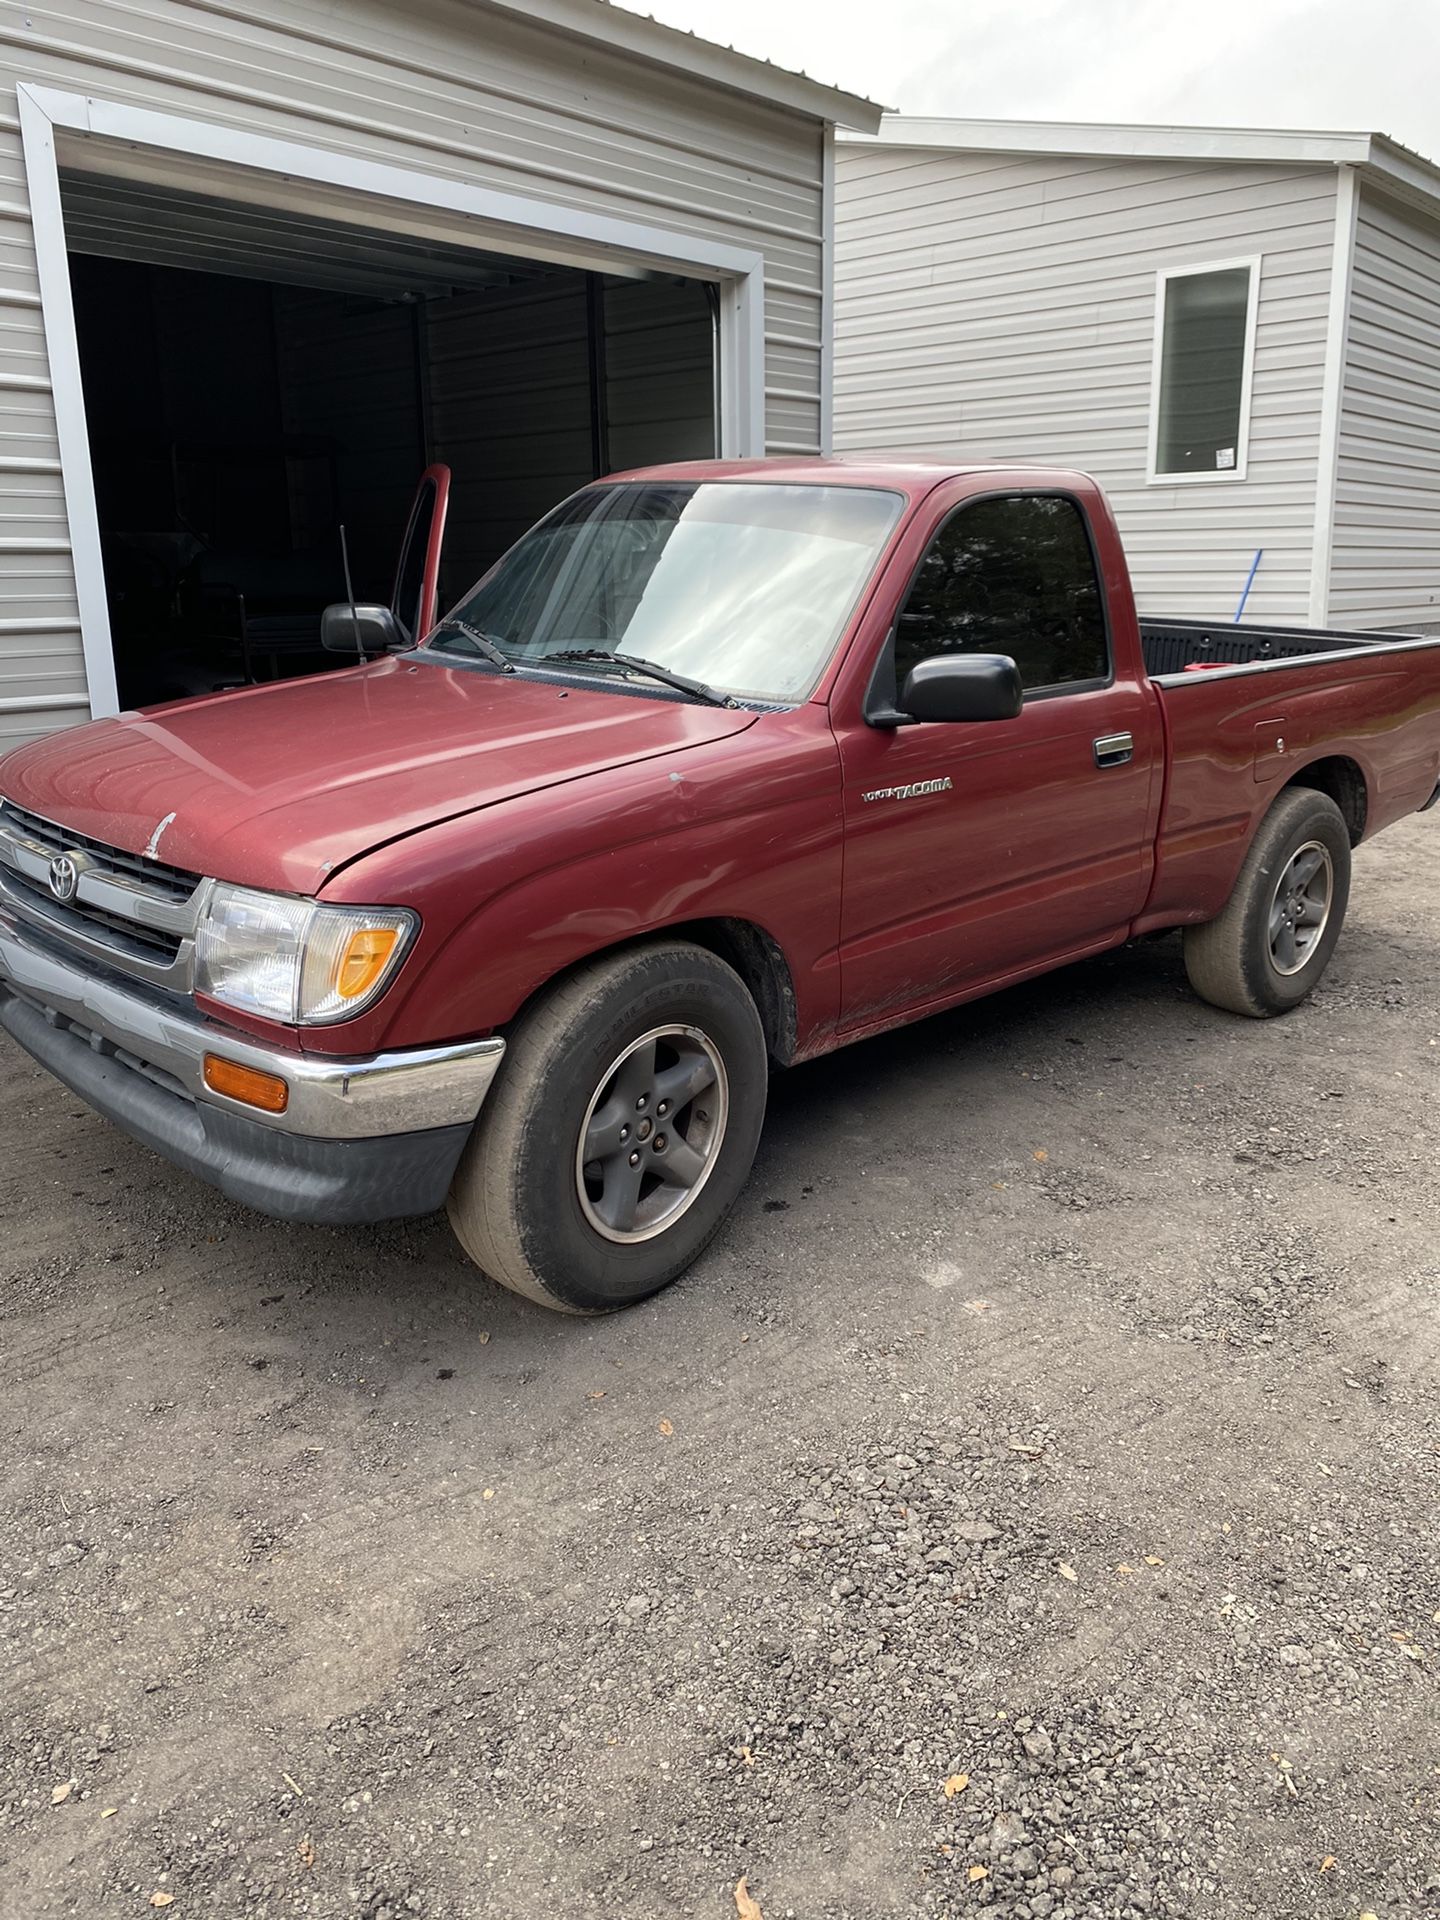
x,y
1271,943
620,1132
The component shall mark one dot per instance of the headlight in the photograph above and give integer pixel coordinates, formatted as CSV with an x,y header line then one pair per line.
x,y
294,960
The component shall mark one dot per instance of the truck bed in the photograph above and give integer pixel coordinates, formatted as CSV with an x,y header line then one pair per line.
x,y
1173,646
1363,708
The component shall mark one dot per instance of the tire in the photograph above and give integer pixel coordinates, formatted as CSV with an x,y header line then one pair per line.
x,y
1242,960
598,1055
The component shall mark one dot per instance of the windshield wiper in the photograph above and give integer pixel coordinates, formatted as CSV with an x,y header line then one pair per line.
x,y
681,681
488,647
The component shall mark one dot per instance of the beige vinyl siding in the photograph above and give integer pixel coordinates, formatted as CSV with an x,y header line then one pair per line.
x,y
1385,570
445,87
997,306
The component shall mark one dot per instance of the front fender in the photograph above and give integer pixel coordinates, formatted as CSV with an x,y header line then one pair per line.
x,y
746,829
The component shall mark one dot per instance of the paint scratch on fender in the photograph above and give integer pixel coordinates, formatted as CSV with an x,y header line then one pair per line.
x,y
152,845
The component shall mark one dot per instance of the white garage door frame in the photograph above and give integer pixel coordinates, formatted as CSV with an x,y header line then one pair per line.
x,y
574,235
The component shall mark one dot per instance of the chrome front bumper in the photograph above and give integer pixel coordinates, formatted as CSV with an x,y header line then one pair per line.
x,y
165,1041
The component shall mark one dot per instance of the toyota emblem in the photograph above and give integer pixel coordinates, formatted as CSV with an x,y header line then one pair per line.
x,y
64,878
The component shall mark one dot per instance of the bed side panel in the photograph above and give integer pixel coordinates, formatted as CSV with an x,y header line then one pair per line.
x,y
1237,738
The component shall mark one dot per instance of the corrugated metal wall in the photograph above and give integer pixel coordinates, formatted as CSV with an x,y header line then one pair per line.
x,y
442,86
509,385
42,676
349,382
659,376
502,379
509,413
1385,569
1003,306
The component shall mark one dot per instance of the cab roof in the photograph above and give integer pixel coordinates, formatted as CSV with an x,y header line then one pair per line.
x,y
912,473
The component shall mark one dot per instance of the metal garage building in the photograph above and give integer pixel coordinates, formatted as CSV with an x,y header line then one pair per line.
x,y
266,260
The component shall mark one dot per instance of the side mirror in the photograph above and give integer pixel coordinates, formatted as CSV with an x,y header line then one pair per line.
x,y
963,686
379,630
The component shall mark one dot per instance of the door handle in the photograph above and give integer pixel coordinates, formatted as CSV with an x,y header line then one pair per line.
x,y
1114,749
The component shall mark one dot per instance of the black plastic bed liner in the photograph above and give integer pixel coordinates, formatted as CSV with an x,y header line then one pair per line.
x,y
1170,646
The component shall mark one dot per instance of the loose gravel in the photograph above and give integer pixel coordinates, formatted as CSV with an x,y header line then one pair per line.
x,y
1027,1508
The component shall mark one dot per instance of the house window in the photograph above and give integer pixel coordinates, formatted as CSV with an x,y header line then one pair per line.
x,y
1014,573
1204,350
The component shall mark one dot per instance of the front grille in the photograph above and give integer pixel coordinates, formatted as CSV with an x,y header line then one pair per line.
x,y
129,936
169,883
136,914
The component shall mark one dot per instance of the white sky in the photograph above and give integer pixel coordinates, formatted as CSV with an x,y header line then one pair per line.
x,y
1348,65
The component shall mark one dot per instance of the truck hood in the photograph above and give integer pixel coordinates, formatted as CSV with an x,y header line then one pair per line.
x,y
280,786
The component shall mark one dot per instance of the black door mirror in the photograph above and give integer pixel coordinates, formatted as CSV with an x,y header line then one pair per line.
x,y
963,686
364,630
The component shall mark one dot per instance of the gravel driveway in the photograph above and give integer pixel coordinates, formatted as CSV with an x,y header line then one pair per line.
x,y
1028,1506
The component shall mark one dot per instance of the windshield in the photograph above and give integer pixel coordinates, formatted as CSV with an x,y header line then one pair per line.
x,y
745,588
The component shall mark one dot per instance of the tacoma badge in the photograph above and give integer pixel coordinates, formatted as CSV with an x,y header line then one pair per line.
x,y
909,792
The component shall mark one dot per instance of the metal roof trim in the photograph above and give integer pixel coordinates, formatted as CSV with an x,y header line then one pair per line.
x,y
649,39
1378,157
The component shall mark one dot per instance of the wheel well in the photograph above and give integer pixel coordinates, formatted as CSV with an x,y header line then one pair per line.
x,y
760,962
1343,781
754,954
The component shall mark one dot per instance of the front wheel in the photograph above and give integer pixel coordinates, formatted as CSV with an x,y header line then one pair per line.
x,y
619,1133
1266,950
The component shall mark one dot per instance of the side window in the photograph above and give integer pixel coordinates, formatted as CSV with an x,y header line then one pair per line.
x,y
1204,356
1014,574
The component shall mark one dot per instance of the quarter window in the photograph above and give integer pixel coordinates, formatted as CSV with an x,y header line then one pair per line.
x,y
1205,327
1013,574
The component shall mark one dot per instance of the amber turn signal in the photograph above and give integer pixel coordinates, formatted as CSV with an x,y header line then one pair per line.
x,y
365,958
267,1091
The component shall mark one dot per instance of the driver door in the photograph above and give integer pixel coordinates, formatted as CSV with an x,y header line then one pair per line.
x,y
977,850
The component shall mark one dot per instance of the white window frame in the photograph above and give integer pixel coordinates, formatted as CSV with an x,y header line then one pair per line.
x,y
575,236
1221,475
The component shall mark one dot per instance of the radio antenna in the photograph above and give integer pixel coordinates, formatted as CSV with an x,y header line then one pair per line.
x,y
350,594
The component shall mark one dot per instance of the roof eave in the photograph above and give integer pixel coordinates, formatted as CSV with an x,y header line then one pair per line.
x,y
1399,171
648,39
1376,156
1127,142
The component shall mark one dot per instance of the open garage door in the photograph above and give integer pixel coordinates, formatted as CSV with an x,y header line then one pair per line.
x,y
255,379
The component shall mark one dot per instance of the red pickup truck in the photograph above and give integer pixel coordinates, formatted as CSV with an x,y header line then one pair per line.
x,y
722,766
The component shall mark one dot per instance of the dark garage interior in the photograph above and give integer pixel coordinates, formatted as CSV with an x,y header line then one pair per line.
x,y
254,380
